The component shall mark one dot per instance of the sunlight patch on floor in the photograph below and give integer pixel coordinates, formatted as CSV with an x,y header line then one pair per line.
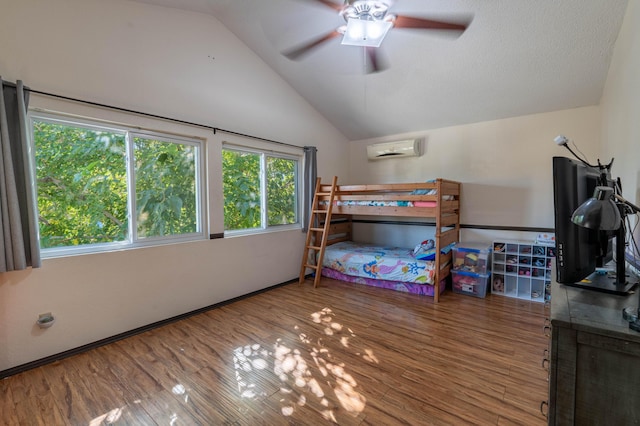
x,y
307,372
246,359
107,418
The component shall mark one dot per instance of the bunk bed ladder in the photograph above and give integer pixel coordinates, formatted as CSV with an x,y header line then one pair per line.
x,y
319,224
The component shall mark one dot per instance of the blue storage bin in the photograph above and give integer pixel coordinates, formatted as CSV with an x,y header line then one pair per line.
x,y
471,257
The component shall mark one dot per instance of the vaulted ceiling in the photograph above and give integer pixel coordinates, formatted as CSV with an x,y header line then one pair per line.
x,y
517,57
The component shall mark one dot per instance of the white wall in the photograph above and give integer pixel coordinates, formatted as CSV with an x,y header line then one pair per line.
x,y
504,167
157,60
621,109
621,105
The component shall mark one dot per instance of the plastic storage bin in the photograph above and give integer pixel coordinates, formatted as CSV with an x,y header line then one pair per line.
x,y
470,283
471,257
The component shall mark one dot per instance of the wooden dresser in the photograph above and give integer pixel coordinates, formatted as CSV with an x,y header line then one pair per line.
x,y
595,359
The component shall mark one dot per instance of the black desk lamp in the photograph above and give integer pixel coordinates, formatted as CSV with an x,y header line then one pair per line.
x,y
605,211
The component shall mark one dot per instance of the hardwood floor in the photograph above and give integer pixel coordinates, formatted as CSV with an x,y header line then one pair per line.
x,y
340,353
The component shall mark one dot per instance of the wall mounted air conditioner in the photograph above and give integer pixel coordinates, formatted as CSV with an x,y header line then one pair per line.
x,y
397,149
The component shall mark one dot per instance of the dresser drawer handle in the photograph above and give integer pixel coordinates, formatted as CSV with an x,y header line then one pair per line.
x,y
545,363
544,408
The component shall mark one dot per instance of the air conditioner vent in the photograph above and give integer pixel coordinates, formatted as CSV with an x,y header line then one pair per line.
x,y
397,149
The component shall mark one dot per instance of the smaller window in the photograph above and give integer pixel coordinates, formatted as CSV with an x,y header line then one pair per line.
x,y
260,190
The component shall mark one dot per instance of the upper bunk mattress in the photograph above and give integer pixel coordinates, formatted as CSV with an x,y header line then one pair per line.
x,y
384,203
386,263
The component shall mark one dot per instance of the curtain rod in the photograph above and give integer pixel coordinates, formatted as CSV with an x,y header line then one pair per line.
x,y
146,114
230,132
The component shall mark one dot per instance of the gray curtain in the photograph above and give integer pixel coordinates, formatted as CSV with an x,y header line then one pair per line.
x,y
19,246
309,185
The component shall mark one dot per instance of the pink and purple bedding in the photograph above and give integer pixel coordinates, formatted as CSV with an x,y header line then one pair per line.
x,y
380,263
374,203
400,203
426,290
379,203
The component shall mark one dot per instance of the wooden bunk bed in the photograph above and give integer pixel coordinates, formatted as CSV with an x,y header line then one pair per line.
x,y
334,206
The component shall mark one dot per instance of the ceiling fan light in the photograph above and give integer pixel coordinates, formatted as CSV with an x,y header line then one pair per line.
x,y
361,32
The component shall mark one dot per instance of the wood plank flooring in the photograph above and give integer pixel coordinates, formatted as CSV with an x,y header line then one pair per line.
x,y
340,353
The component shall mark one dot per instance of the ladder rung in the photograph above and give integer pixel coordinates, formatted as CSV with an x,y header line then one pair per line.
x,y
313,247
316,229
311,266
323,193
321,211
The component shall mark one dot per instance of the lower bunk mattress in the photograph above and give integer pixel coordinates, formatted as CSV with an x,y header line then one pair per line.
x,y
389,267
423,289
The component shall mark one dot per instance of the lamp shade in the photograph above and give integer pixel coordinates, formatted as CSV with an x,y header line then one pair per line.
x,y
599,212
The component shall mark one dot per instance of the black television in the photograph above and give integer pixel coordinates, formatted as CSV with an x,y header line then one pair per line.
x,y
579,251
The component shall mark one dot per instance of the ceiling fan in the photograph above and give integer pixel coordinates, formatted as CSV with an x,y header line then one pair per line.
x,y
367,23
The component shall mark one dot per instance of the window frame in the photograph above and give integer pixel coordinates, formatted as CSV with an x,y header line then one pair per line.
x,y
130,132
264,212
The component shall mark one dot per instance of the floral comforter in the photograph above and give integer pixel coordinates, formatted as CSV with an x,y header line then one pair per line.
x,y
386,263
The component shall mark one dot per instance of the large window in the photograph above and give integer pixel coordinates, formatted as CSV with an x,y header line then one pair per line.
x,y
99,186
260,190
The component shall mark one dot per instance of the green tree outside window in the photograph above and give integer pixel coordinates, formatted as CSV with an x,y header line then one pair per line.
x,y
245,174
165,179
82,176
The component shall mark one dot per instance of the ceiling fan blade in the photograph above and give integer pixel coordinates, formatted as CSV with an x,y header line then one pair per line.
x,y
331,4
375,62
427,24
297,52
